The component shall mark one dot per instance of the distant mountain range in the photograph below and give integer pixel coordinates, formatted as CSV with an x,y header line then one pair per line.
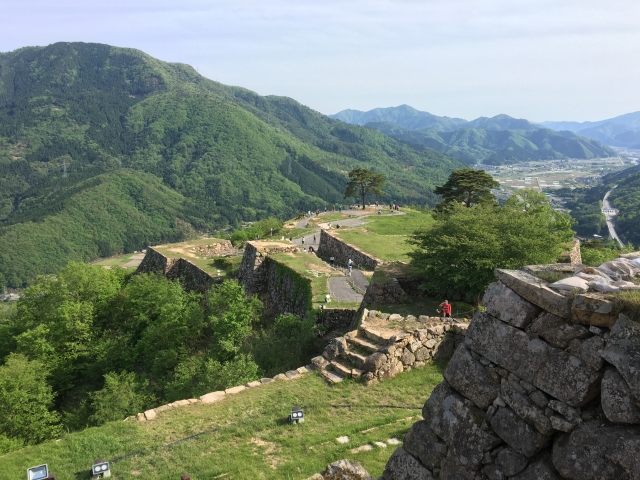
x,y
498,140
620,131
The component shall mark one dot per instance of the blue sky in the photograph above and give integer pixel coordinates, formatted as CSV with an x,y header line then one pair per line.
x,y
534,59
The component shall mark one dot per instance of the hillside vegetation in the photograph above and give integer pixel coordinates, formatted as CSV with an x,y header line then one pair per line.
x,y
89,117
586,205
500,146
246,436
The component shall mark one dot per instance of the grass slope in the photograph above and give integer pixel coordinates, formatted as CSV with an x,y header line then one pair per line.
x,y
247,434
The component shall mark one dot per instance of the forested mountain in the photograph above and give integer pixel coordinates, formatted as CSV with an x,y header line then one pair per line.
x,y
403,116
620,131
499,147
586,205
89,128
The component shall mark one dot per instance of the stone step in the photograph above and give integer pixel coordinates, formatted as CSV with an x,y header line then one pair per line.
x,y
378,336
331,377
366,344
341,368
357,359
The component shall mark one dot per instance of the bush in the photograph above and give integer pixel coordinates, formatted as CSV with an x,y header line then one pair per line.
x,y
26,400
121,396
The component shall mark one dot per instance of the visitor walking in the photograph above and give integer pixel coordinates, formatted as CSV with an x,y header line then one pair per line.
x,y
314,239
445,309
302,240
350,266
332,260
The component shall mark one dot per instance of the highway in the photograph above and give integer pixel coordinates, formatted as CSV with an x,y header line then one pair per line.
x,y
610,213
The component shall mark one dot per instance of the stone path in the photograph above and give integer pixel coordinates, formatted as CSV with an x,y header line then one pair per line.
x,y
341,291
358,280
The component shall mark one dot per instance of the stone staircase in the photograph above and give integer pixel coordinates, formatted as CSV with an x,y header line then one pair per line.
x,y
376,351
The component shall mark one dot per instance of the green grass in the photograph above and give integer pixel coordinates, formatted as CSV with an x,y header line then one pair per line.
x,y
295,233
398,224
385,247
251,438
424,306
628,302
311,267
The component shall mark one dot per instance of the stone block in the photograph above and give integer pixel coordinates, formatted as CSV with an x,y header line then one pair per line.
x,y
593,309
525,408
512,462
374,362
256,383
518,434
234,390
623,352
390,369
408,358
266,380
449,417
280,376
292,374
535,291
141,418
212,397
422,354
445,348
403,466
594,450
335,348
591,351
452,470
150,414
540,468
181,403
618,404
557,331
422,443
319,363
504,304
554,371
395,318
471,379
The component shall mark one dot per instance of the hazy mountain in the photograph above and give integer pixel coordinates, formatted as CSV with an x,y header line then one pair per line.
x,y
104,150
620,131
498,147
501,122
403,116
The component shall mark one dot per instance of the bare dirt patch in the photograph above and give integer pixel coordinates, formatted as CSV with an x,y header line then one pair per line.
x,y
270,448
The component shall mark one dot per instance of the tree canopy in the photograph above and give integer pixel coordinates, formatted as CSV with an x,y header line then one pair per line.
x,y
460,251
363,182
468,186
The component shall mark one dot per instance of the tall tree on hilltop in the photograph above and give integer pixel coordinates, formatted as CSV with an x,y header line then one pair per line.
x,y
467,186
363,181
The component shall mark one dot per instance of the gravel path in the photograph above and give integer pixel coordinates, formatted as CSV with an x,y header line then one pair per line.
x,y
341,291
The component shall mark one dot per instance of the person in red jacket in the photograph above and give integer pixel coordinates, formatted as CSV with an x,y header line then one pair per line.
x,y
445,309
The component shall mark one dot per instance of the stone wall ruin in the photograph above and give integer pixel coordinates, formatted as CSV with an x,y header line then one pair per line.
x,y
545,386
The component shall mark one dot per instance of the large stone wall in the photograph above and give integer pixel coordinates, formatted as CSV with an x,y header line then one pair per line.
x,y
545,386
331,245
155,261
286,290
190,276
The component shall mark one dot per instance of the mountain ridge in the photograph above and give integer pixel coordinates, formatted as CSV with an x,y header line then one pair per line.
x,y
72,111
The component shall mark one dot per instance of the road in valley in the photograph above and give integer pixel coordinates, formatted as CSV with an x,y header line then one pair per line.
x,y
609,214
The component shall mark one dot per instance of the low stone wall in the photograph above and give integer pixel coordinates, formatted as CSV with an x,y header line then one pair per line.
x,y
390,351
219,249
545,386
330,245
337,318
387,293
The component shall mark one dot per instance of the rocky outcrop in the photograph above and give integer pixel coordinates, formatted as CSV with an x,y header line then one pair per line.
x,y
536,391
331,245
